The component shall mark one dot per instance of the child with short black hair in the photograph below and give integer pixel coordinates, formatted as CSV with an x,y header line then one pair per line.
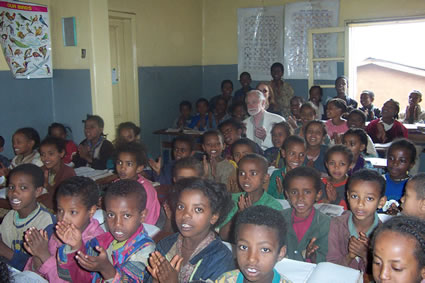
x,y
356,140
25,185
315,134
130,161
366,99
341,87
126,132
282,90
4,161
413,109
307,113
245,80
279,132
349,233
195,252
238,111
357,119
59,130
220,111
399,250
183,121
203,119
231,130
187,167
120,255
295,105
77,200
413,200
315,96
293,152
335,109
260,243
308,228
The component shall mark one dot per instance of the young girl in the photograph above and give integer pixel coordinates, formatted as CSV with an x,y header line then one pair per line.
x,y
280,132
25,144
196,252
356,140
52,151
315,96
338,160
336,124
76,202
401,157
399,251
95,150
126,132
58,130
269,95
307,113
202,120
387,128
314,133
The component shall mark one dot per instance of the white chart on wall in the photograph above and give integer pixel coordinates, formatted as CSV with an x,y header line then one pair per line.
x,y
260,40
299,18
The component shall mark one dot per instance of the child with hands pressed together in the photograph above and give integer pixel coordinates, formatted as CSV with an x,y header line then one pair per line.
x,y
196,252
366,99
77,200
307,234
120,255
349,233
203,120
279,132
413,110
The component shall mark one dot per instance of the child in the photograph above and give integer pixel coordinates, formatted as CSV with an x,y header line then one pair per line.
x,y
399,250
202,120
25,144
366,99
58,130
196,252
349,233
357,119
338,161
315,133
245,80
4,161
413,200
185,117
238,111
130,162
400,159
295,105
341,87
283,91
413,110
260,243
77,200
226,93
387,128
252,175
231,130
215,166
187,167
95,150
293,152
307,113
315,96
126,132
120,255
336,124
279,132
267,90
220,111
52,151
356,141
307,227
25,185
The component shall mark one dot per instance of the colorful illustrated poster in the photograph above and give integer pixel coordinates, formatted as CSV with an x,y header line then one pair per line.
x,y
25,39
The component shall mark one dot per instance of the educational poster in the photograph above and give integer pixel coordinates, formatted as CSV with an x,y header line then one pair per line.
x,y
260,40
299,18
25,39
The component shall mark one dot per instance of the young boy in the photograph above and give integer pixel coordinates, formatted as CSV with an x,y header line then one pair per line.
x,y
413,201
341,87
413,112
245,80
185,117
356,141
349,233
231,130
202,120
252,175
120,255
260,242
366,99
187,167
357,119
280,132
293,152
308,228
25,185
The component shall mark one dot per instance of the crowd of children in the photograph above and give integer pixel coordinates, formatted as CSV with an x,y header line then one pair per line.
x,y
254,183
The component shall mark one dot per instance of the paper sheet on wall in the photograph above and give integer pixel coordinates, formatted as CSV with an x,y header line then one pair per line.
x,y
25,39
299,18
260,40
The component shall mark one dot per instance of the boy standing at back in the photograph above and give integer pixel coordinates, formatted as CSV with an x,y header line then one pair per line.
x,y
245,80
413,200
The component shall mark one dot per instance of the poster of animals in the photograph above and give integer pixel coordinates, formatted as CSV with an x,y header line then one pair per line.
x,y
25,39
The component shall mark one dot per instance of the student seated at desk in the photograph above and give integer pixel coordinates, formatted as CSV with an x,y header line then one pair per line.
x,y
185,116
413,112
58,130
366,99
203,120
127,132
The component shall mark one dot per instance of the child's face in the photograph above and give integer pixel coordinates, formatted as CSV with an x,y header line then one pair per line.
x,y
355,121
245,80
22,194
58,133
394,260
295,106
399,162
410,203
365,99
240,151
294,156
278,136
389,109
257,252
239,113
314,135
50,156
202,108
221,106
21,144
127,167
227,89
72,210
277,73
364,199
181,150
341,86
338,166
183,173
354,144
123,216
92,131
128,135
414,99
332,111
194,216
185,111
302,195
315,96
307,114
265,90
230,134
250,176
213,146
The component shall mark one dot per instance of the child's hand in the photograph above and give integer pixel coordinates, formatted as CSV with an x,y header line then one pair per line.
x,y
205,165
311,250
331,192
69,234
244,202
260,133
84,152
46,178
98,263
162,270
156,165
36,243
279,184
337,138
381,134
358,247
292,121
213,164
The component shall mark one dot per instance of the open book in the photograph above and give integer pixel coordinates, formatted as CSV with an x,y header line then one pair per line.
x,y
304,272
